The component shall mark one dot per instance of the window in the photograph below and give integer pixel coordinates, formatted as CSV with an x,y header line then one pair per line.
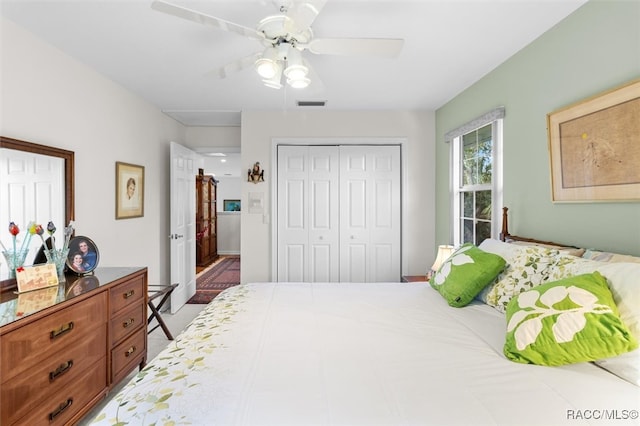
x,y
476,179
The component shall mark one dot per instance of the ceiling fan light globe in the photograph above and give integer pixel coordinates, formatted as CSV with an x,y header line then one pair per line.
x,y
296,72
299,83
266,67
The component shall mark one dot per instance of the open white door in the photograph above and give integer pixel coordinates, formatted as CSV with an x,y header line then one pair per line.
x,y
183,214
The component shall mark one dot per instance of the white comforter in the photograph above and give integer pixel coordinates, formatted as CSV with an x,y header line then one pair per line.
x,y
358,354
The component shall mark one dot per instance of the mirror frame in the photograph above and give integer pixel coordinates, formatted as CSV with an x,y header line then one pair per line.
x,y
69,168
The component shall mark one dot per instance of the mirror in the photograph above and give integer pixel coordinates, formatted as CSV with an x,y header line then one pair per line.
x,y
66,179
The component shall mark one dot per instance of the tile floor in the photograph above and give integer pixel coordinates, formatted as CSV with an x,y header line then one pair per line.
x,y
156,342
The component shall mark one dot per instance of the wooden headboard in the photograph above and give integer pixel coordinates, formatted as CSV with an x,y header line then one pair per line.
x,y
504,234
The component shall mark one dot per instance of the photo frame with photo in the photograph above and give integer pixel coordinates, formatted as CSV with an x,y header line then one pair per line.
x,y
83,255
129,190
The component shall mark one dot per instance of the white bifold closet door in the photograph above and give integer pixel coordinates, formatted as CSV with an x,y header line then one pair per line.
x,y
338,213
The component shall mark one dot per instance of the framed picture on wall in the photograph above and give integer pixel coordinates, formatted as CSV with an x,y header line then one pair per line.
x,y
595,148
129,190
231,205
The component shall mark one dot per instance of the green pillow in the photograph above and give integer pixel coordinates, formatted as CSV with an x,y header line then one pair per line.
x,y
564,322
465,273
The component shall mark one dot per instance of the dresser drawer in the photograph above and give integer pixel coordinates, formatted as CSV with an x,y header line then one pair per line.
x,y
24,348
62,406
53,375
127,322
128,354
127,294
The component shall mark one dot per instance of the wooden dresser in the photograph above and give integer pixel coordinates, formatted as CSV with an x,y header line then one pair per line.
x,y
62,349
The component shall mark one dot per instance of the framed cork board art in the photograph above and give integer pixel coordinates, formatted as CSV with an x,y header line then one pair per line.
x,y
594,148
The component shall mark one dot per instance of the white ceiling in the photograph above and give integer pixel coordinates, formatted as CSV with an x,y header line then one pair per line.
x,y
449,44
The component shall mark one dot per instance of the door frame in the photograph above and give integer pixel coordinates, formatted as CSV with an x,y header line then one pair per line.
x,y
404,176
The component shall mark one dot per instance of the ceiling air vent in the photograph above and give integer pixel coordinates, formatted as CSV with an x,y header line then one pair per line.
x,y
312,103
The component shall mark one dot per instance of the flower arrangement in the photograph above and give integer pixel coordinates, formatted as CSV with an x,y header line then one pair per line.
x,y
15,258
54,255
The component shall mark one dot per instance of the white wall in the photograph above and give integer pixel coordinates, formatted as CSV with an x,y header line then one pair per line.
x,y
260,127
228,233
228,189
205,137
51,99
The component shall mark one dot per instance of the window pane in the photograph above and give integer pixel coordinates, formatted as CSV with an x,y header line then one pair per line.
x,y
483,205
469,158
467,204
485,148
483,231
483,168
470,172
467,231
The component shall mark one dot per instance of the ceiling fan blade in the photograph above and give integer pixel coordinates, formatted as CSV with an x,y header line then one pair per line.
x,y
301,15
201,18
316,86
386,47
234,66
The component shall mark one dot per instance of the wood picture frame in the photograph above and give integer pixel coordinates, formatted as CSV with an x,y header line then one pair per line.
x,y
594,148
129,190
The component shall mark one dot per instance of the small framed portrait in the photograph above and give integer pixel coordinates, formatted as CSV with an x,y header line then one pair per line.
x,y
129,190
231,205
83,255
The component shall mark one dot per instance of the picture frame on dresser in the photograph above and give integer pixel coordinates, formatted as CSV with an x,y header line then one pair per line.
x,y
594,147
129,190
83,255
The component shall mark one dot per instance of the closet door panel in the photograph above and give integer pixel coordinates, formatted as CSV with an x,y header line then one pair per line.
x,y
323,210
292,214
307,195
385,229
370,213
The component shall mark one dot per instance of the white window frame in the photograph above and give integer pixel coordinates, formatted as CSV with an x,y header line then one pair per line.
x,y
494,117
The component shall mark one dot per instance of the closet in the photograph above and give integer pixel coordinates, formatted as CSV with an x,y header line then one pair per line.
x,y
338,213
206,220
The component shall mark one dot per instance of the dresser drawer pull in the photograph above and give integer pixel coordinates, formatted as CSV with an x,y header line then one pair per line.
x,y
130,352
128,322
63,368
64,329
128,294
60,409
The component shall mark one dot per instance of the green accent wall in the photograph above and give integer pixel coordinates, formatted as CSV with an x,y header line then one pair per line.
x,y
595,49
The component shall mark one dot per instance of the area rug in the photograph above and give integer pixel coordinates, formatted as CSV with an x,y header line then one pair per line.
x,y
221,276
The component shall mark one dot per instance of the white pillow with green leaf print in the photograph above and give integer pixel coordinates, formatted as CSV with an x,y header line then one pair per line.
x,y
529,267
465,273
564,322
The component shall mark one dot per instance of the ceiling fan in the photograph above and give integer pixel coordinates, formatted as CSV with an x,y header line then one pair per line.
x,y
284,37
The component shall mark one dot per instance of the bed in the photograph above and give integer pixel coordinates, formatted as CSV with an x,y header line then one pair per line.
x,y
364,354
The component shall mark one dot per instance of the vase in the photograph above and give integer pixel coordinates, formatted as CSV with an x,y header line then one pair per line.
x,y
15,259
59,258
